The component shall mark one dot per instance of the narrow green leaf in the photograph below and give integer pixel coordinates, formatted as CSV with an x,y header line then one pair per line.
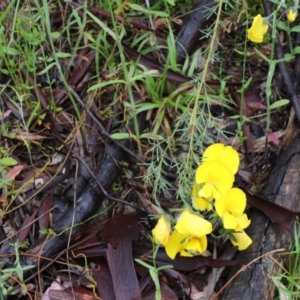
x,y
8,161
10,51
143,263
120,135
262,55
55,35
147,106
245,85
102,25
279,103
138,7
47,68
105,83
160,14
296,29
62,55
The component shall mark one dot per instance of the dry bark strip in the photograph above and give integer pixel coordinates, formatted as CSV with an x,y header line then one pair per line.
x,y
283,189
119,233
189,32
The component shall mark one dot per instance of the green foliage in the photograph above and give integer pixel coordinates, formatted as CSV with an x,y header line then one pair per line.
x,y
5,161
288,280
154,272
9,273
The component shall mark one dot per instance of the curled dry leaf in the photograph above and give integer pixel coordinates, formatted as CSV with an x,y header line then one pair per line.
x,y
278,214
13,172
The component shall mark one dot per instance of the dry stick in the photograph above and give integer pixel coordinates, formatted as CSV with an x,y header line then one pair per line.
x,y
214,297
102,129
283,68
106,134
103,190
29,224
53,260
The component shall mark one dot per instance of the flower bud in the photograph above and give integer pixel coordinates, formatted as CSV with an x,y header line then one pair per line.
x,y
292,14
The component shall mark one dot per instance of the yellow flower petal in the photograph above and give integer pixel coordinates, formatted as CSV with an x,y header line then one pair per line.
x,y
292,14
242,222
234,201
225,155
209,191
220,206
243,240
197,244
199,202
176,243
191,224
213,152
161,231
184,245
217,179
231,209
185,253
229,221
258,29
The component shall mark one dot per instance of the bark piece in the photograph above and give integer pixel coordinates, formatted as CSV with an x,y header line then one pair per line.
x,y
103,279
119,233
283,189
189,33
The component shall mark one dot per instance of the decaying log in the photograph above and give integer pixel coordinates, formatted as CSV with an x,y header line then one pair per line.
x,y
283,189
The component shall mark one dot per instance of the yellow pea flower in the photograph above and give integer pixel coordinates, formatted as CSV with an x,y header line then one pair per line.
x,y
199,202
184,244
191,224
257,30
243,241
161,231
216,179
189,235
292,14
225,155
176,243
196,244
231,209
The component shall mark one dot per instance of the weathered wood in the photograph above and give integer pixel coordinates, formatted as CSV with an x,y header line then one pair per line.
x,y
189,32
282,188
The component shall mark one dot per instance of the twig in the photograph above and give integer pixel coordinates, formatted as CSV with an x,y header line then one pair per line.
x,y
215,297
102,129
103,190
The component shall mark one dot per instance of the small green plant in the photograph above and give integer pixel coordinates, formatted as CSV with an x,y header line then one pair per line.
x,y
5,162
288,280
154,272
14,275
107,113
